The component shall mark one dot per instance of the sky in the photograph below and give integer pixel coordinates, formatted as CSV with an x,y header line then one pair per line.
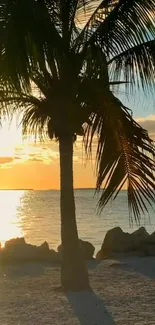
x,y
26,164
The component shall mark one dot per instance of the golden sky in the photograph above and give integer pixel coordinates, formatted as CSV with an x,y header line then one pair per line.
x,y
24,164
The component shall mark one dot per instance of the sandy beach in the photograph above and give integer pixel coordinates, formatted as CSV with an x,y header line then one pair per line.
x,y
123,294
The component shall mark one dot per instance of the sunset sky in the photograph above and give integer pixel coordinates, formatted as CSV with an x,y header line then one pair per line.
x,y
24,164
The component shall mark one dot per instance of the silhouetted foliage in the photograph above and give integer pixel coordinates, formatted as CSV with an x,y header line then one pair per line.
x,y
60,62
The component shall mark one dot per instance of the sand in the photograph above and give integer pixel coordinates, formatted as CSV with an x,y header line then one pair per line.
x,y
123,293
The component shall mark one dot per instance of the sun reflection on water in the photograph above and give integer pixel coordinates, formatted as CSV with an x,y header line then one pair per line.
x,y
9,220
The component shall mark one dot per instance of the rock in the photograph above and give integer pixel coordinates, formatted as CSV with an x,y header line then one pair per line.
x,y
138,239
100,255
15,241
141,232
44,248
17,250
148,245
150,239
139,236
44,253
117,242
60,249
86,247
151,250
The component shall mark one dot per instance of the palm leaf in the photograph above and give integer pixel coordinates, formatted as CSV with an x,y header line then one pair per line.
x,y
25,31
36,121
127,24
91,18
123,154
135,65
34,111
124,31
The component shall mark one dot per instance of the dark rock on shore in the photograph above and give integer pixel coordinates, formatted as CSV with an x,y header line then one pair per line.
x,y
86,247
15,242
18,251
118,243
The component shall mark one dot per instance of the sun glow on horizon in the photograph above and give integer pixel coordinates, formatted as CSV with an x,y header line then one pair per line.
x,y
9,223
25,163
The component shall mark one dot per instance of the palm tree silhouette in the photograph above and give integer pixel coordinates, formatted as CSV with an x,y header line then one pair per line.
x,y
60,63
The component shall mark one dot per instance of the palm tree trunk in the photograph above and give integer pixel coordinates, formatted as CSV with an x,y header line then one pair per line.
x,y
74,275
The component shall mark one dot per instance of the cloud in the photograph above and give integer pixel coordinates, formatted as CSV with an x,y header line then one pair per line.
x,y
6,160
35,153
149,117
48,152
148,123
31,152
36,160
17,158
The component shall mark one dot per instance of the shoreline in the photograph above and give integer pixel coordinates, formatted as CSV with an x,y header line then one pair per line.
x,y
116,244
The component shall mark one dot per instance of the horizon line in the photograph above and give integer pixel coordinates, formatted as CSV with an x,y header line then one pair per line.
x,y
49,189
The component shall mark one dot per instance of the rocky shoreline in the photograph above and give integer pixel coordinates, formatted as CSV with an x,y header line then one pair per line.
x,y
16,250
118,243
115,244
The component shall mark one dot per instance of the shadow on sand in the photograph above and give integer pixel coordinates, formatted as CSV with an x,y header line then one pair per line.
x,y
93,264
21,270
143,265
89,309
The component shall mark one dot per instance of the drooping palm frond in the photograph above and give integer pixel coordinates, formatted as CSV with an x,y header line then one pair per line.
x,y
36,121
114,26
28,38
124,24
43,81
124,154
34,111
91,19
135,65
125,32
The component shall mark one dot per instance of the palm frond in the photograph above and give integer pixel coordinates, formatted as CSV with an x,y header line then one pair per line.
x,y
43,81
35,122
67,16
34,111
135,65
118,25
91,18
124,154
79,8
25,31
124,32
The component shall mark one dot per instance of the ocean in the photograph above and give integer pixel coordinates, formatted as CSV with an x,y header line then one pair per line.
x,y
36,216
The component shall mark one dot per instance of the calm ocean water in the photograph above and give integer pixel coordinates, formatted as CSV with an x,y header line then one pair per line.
x,y
36,216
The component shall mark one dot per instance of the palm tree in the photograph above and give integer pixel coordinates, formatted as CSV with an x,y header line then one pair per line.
x,y
60,63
